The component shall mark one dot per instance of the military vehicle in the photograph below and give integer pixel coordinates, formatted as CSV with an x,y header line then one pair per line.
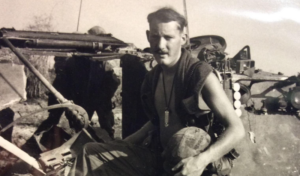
x,y
252,92
239,74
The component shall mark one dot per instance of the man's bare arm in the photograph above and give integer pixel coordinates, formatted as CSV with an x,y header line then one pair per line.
x,y
219,103
217,100
141,134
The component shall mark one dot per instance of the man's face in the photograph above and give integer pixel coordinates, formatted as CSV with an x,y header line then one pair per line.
x,y
165,41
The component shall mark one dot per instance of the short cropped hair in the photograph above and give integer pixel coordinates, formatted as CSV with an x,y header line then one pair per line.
x,y
168,14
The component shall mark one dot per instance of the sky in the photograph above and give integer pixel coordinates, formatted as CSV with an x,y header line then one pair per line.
x,y
270,27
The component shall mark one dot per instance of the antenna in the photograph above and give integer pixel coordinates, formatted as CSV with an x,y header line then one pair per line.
x,y
79,15
187,25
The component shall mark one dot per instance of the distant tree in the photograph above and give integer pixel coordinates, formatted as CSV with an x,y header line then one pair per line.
x,y
5,55
41,23
34,88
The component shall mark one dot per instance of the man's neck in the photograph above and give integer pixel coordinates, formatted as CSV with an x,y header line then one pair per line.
x,y
169,70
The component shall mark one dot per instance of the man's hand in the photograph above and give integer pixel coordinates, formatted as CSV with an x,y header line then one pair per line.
x,y
192,166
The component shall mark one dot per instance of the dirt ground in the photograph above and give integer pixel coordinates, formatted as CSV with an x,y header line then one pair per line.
x,y
276,150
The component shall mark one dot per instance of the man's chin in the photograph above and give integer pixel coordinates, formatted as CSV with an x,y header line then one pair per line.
x,y
160,61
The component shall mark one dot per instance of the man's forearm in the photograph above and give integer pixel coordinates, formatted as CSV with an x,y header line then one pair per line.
x,y
140,135
226,142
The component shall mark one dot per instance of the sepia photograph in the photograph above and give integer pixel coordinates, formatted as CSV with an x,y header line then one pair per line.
x,y
149,88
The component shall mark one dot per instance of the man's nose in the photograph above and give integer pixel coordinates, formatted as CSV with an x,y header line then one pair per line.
x,y
162,43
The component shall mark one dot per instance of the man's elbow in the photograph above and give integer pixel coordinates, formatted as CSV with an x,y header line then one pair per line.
x,y
239,132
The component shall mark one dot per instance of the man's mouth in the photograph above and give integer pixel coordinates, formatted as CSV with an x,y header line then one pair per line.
x,y
161,53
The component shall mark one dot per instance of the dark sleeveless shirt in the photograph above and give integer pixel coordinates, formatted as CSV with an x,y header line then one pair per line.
x,y
189,81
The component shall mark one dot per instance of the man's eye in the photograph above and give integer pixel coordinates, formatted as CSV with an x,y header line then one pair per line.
x,y
168,38
154,36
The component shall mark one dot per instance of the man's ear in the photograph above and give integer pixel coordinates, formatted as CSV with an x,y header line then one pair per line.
x,y
148,35
184,38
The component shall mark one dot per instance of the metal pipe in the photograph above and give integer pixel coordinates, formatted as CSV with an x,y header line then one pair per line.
x,y
23,118
20,153
60,98
266,78
79,15
63,44
187,24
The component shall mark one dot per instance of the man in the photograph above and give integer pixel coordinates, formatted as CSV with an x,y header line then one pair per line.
x,y
167,97
88,83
